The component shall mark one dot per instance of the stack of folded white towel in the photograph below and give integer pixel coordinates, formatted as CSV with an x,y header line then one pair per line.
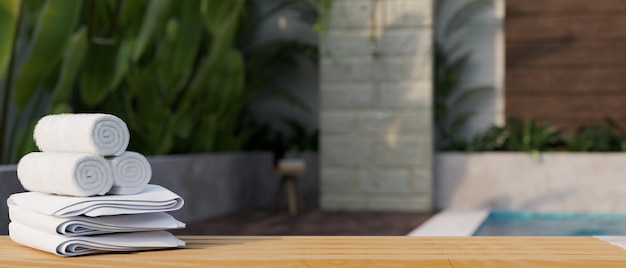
x,y
87,193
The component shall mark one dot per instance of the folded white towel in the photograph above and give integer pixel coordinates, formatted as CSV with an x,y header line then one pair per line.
x,y
71,174
131,173
100,134
153,198
82,225
83,245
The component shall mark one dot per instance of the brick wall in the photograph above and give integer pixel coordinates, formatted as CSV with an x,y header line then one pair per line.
x,y
565,61
376,95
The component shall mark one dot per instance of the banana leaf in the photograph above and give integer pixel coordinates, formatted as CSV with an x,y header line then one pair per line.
x,y
97,75
178,59
53,29
9,10
72,62
153,19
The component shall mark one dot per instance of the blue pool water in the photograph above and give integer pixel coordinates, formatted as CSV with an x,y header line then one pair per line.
x,y
552,224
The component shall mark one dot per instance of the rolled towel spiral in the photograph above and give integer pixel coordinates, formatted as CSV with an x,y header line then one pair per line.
x,y
99,134
131,173
71,174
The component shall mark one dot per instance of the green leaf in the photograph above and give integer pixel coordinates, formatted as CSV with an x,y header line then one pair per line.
x,y
9,10
457,123
61,108
216,12
53,29
227,84
122,62
72,61
24,142
153,19
178,52
468,94
465,14
97,75
131,15
221,19
221,47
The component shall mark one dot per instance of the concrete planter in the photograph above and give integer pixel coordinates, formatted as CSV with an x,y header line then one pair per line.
x,y
515,181
9,184
211,184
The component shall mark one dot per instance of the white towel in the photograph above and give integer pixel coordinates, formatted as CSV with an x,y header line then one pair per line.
x,y
65,173
100,134
153,198
83,245
82,225
131,173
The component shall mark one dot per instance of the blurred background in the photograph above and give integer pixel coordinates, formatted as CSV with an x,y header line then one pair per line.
x,y
399,107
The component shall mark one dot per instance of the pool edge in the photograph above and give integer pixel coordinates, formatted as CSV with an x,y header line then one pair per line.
x,y
452,222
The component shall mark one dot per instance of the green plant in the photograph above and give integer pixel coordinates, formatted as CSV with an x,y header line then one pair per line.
x,y
321,17
179,73
300,138
450,95
491,139
528,136
9,16
531,137
596,138
35,32
296,137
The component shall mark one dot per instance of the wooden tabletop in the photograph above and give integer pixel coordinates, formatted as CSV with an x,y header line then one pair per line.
x,y
342,251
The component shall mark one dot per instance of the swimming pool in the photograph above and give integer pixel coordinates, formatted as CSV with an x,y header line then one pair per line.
x,y
522,223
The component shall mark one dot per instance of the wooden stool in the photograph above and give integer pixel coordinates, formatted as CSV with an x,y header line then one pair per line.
x,y
288,169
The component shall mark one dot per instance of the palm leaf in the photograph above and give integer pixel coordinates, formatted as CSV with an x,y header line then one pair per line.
x,y
469,94
466,14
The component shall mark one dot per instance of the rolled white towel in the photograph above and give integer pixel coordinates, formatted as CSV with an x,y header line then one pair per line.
x,y
100,134
70,174
131,173
74,246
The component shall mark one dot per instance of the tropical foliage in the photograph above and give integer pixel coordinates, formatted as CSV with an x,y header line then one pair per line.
x,y
451,96
180,73
530,136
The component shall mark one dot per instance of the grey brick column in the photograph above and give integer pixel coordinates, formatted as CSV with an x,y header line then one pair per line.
x,y
376,106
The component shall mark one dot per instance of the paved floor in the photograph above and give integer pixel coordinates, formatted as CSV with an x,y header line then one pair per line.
x,y
309,222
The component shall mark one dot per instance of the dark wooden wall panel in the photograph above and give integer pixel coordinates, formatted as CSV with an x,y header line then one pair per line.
x,y
566,61
517,8
559,82
566,29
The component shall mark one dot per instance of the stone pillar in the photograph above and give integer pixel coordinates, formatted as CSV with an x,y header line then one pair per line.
x,y
376,106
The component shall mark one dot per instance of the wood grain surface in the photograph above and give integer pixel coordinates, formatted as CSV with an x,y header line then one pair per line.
x,y
342,251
